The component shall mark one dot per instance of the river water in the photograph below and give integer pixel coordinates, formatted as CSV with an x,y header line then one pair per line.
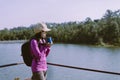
x,y
67,54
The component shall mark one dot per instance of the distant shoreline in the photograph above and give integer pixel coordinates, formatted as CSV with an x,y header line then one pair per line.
x,y
22,41
13,41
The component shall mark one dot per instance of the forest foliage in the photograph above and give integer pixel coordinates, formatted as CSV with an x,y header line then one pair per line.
x,y
99,31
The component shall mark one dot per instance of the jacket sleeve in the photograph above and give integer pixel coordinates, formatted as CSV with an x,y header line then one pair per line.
x,y
35,49
47,51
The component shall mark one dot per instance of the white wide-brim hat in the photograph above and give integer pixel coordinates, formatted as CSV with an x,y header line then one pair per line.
x,y
41,27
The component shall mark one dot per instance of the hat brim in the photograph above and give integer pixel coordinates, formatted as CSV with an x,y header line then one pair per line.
x,y
46,30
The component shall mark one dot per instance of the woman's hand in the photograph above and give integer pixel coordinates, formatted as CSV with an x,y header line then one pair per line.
x,y
48,44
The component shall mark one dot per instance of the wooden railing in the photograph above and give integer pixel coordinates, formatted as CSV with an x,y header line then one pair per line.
x,y
66,66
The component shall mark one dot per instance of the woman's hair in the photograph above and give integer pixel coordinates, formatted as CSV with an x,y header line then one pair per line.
x,y
37,36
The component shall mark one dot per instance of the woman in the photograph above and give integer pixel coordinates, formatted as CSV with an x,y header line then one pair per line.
x,y
40,50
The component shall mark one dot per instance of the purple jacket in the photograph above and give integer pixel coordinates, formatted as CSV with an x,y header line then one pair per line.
x,y
40,53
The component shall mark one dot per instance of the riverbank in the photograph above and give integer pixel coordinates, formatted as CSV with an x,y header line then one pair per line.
x,y
107,45
12,41
97,45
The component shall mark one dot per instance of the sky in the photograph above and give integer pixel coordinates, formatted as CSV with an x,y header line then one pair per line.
x,y
14,13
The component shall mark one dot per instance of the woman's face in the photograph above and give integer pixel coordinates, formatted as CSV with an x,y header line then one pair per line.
x,y
43,34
